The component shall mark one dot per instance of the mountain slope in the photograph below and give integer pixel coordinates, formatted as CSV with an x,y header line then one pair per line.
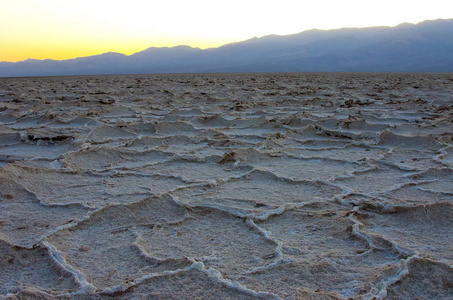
x,y
424,47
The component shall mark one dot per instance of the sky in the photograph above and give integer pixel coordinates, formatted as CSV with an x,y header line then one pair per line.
x,y
63,29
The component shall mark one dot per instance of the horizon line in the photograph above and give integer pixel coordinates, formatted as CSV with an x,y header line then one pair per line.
x,y
208,48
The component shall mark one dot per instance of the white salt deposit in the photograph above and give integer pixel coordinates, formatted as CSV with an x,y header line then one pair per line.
x,y
243,186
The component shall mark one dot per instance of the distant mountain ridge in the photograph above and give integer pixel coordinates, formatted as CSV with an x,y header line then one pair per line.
x,y
422,47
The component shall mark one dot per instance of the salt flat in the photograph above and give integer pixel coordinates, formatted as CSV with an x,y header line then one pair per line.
x,y
291,186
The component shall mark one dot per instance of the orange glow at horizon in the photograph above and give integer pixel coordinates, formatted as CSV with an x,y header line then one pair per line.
x,y
73,49
55,29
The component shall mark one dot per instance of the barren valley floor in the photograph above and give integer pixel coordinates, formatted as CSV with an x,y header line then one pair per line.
x,y
184,186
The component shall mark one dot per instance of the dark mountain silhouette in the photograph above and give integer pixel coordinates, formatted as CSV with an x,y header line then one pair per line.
x,y
423,47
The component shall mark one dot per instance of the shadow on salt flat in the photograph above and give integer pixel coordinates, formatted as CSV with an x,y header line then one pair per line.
x,y
419,228
34,269
256,191
103,246
426,280
319,253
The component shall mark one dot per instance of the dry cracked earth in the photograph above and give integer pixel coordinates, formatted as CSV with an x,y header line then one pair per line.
x,y
218,186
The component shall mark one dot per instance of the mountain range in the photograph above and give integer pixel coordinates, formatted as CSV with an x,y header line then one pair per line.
x,y
422,47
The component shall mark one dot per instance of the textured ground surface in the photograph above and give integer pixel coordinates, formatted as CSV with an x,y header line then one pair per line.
x,y
292,186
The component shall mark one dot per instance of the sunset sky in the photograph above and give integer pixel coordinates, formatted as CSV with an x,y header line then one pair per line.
x,y
59,29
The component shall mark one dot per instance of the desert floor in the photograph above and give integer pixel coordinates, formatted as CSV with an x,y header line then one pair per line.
x,y
309,186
